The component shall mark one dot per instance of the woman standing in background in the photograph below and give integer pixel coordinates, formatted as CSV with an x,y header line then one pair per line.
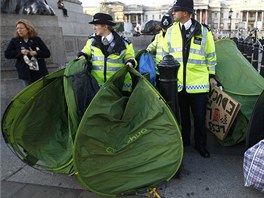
x,y
29,51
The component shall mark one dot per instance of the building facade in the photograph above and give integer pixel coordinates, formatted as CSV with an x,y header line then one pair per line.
x,y
246,15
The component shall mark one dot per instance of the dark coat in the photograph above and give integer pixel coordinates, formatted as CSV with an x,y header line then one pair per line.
x,y
36,44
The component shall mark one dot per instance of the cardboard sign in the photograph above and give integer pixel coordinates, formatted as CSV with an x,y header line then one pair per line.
x,y
220,112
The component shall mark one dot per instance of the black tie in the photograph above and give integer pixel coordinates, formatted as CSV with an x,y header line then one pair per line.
x,y
183,32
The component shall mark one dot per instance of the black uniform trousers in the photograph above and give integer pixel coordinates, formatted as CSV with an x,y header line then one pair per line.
x,y
195,104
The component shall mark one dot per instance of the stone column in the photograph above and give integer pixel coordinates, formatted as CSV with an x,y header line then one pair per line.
x,y
129,18
256,19
219,20
247,20
201,17
262,20
206,16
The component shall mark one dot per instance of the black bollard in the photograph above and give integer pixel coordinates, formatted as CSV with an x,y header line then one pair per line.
x,y
262,65
168,85
249,51
255,55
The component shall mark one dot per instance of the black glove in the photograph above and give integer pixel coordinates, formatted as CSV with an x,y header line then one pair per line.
x,y
80,54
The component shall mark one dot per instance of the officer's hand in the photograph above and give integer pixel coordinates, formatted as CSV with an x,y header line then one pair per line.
x,y
129,64
81,57
213,82
146,51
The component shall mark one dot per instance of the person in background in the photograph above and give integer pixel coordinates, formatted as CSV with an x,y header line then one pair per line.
x,y
138,30
107,51
156,46
192,45
29,51
60,4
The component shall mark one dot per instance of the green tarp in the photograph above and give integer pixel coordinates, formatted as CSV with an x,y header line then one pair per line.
x,y
242,82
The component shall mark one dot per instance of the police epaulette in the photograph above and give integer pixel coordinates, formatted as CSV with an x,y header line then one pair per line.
x,y
206,27
126,39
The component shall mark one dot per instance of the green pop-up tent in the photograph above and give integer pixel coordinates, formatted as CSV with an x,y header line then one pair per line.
x,y
119,144
240,81
40,123
127,142
35,125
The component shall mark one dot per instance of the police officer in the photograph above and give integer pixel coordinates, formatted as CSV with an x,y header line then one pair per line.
x,y
156,46
107,51
192,45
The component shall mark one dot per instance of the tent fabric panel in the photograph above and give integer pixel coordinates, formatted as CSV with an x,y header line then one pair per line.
x,y
22,98
234,71
42,130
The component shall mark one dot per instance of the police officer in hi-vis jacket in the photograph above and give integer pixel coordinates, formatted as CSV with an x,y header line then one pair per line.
x,y
107,51
192,45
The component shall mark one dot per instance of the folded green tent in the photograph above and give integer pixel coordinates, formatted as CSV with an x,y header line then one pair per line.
x,y
123,142
242,82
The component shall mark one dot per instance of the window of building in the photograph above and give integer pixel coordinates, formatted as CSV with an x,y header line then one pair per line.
x,y
146,17
215,26
214,14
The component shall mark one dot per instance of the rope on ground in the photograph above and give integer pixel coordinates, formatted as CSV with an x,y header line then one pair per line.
x,y
152,193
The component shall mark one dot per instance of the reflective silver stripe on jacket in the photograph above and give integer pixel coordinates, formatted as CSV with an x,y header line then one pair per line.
x,y
175,50
204,41
211,68
95,67
110,60
169,40
211,54
197,62
193,51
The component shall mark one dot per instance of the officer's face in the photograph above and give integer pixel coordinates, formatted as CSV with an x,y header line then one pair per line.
x,y
100,29
178,15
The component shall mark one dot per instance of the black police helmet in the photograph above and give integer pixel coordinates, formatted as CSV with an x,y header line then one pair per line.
x,y
102,18
183,5
166,21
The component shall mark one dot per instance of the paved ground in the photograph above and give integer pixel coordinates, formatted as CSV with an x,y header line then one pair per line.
x,y
220,176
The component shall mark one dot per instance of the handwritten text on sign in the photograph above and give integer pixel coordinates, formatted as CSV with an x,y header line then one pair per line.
x,y
220,112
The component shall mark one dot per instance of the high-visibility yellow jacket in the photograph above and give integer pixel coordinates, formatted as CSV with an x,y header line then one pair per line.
x,y
157,46
104,66
194,76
